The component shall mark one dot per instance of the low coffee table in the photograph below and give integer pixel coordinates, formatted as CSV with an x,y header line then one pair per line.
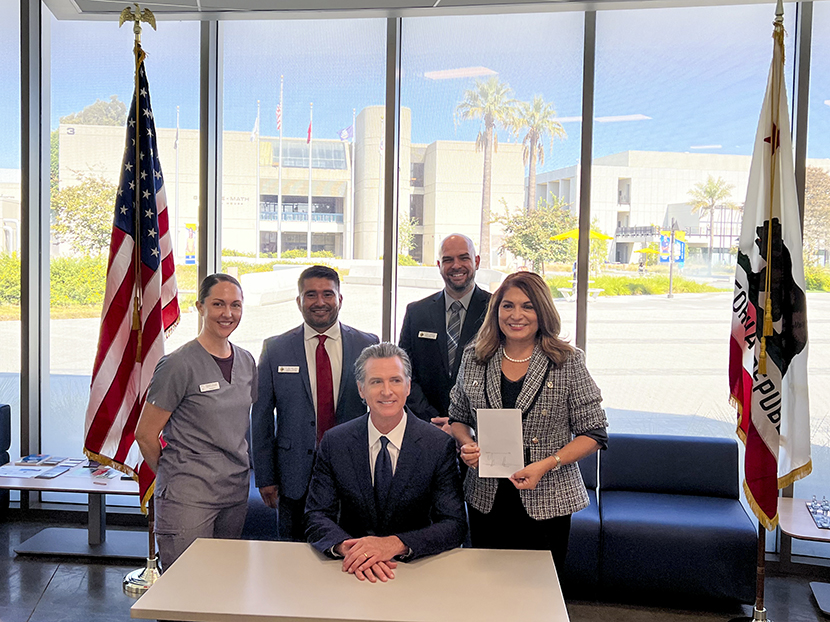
x,y
77,542
795,521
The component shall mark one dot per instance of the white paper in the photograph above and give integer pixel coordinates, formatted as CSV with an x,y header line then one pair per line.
x,y
499,433
9,470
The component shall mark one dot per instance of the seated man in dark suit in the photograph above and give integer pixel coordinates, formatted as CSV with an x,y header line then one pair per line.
x,y
385,486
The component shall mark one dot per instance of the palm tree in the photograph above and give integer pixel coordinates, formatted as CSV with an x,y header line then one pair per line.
x,y
706,196
489,100
539,119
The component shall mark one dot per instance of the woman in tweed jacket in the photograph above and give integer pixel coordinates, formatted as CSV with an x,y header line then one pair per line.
x,y
518,361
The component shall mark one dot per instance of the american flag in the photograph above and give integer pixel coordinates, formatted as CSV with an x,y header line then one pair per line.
x,y
279,117
131,343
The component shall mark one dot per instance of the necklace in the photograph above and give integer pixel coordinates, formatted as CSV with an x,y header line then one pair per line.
x,y
512,360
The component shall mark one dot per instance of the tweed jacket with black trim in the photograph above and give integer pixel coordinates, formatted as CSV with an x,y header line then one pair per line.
x,y
558,403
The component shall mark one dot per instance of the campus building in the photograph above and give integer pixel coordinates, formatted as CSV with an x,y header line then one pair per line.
x,y
439,186
636,194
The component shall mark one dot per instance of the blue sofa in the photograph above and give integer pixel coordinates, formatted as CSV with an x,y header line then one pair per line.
x,y
581,576
673,527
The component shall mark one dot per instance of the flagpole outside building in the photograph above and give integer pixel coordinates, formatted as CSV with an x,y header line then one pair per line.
x,y
308,234
279,178
768,345
176,206
256,194
379,249
349,251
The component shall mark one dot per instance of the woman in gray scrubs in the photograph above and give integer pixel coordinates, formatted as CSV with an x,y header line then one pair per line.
x,y
199,401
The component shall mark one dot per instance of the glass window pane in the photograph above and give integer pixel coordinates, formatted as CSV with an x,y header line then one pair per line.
x,y
478,68
10,212
673,140
286,102
92,84
817,269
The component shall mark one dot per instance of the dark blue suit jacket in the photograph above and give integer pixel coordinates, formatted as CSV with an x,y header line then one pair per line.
x,y
283,445
426,508
432,378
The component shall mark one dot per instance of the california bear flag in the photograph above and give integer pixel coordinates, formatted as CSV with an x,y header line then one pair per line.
x,y
768,346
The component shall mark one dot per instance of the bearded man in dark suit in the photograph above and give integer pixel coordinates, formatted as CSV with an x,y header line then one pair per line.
x,y
437,328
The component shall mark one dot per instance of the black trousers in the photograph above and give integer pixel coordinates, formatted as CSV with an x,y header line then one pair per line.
x,y
509,526
291,525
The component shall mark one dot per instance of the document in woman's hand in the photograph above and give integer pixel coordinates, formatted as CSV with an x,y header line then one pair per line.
x,y
499,433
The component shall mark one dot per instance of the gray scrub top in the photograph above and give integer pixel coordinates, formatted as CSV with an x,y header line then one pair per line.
x,y
205,462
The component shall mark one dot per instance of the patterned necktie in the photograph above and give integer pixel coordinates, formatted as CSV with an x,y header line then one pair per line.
x,y
383,475
453,333
325,389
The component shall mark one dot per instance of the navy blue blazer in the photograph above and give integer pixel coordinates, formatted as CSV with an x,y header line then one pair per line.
x,y
432,378
283,420
426,508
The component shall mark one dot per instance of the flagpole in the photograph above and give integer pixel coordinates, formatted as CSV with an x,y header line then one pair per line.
x,y
778,37
759,613
176,218
279,181
256,194
138,581
137,200
379,245
352,209
310,127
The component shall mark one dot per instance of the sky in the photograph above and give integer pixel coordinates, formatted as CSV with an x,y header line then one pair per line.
x,y
689,79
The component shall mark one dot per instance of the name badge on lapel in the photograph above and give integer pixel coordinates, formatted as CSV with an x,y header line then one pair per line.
x,y
425,334
210,386
288,369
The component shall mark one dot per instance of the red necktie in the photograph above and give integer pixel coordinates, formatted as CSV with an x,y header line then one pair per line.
x,y
325,389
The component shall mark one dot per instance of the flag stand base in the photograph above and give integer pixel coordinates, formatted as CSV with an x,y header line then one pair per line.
x,y
139,581
758,615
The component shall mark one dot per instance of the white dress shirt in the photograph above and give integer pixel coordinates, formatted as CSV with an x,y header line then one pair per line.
x,y
394,446
334,348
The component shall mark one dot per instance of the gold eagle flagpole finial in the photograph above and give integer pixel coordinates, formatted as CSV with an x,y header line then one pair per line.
x,y
137,16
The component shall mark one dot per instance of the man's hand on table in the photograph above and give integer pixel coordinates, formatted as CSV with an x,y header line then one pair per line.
x,y
371,558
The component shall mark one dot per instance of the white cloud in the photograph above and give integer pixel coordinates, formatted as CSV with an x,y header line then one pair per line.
x,y
461,72
616,119
624,117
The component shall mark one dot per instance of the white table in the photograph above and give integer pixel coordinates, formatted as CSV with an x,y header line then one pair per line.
x,y
247,581
796,522
76,542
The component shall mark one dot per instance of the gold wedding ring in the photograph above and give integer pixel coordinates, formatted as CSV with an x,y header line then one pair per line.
x,y
366,555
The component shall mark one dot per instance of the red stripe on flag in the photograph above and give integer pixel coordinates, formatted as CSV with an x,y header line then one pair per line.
x,y
119,306
761,473
108,410
740,383
128,435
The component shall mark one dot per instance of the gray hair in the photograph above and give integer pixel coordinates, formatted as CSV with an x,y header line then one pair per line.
x,y
382,350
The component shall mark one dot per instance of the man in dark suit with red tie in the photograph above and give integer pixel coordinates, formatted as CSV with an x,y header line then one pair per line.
x,y
385,486
306,386
437,328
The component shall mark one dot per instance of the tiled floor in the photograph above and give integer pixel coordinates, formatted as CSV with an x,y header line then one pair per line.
x,y
57,590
